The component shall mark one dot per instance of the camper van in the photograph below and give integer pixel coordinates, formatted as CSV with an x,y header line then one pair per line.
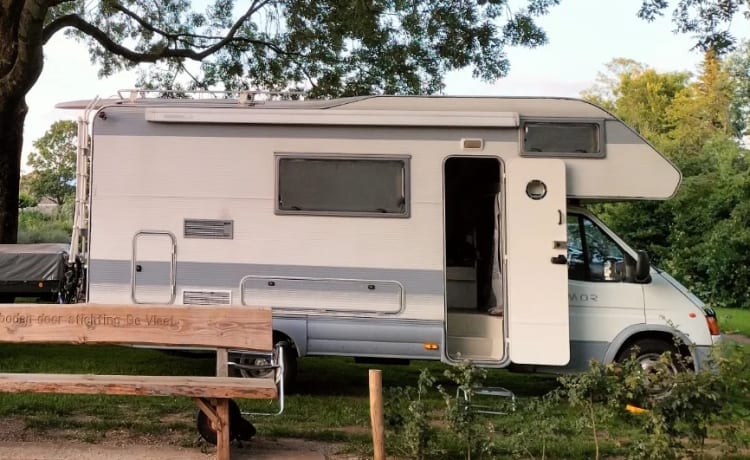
x,y
402,227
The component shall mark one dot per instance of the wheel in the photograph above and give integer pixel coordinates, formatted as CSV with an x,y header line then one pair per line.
x,y
290,364
647,353
239,428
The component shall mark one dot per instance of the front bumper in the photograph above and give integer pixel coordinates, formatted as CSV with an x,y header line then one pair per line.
x,y
702,354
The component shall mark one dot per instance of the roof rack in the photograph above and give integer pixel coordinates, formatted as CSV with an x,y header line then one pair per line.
x,y
241,97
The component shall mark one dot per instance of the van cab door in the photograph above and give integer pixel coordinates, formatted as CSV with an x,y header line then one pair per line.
x,y
537,271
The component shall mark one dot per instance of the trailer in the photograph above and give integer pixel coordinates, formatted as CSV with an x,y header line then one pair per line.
x,y
40,271
399,227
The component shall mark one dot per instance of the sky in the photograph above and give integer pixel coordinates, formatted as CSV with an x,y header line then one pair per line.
x,y
583,36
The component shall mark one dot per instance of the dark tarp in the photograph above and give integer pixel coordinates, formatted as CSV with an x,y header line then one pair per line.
x,y
32,262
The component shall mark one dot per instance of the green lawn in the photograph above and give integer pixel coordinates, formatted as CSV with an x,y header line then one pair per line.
x,y
734,320
330,404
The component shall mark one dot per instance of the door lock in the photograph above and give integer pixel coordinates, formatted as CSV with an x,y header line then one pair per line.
x,y
138,268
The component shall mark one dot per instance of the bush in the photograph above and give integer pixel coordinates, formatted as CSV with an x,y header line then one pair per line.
x,y
37,227
586,416
675,424
26,201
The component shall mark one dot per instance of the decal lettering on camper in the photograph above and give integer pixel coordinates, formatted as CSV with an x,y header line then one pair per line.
x,y
578,297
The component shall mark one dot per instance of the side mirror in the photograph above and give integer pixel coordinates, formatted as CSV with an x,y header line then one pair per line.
x,y
642,268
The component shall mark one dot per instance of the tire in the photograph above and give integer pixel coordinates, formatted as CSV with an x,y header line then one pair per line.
x,y
647,353
290,365
239,427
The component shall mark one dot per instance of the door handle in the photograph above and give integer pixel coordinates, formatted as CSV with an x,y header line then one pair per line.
x,y
138,268
559,260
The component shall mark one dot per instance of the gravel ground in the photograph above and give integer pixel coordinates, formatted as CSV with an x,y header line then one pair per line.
x,y
20,443
259,449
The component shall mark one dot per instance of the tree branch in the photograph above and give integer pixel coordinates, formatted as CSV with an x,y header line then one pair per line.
x,y
142,22
29,59
54,3
77,22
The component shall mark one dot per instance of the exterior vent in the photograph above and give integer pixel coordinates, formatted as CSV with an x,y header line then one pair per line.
x,y
206,297
207,228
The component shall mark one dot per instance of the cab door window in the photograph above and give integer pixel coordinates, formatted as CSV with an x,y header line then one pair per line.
x,y
592,254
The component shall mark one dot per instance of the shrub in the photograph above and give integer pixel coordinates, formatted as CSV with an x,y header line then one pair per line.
x,y
37,227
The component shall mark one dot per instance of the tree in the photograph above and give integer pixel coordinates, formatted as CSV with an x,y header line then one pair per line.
x,y
54,163
703,235
331,47
707,20
738,67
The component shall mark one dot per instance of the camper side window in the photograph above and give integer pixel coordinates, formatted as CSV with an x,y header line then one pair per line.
x,y
346,186
562,138
592,254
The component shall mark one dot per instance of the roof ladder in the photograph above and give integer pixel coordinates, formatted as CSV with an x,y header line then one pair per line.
x,y
79,238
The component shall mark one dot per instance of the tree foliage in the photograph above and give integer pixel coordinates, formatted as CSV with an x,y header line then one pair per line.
x,y
738,67
329,47
708,21
54,163
703,235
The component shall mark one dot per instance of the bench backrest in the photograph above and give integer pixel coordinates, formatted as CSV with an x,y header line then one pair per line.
x,y
212,326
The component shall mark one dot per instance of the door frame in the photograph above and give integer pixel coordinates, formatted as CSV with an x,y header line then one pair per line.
x,y
445,355
172,266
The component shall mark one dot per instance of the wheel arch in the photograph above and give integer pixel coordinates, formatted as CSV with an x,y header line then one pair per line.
x,y
280,336
636,332
292,330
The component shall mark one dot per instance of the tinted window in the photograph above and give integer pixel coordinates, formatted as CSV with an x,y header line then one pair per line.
x,y
569,139
345,186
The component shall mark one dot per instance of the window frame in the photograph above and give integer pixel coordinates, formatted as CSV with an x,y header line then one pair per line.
x,y
585,250
600,123
405,159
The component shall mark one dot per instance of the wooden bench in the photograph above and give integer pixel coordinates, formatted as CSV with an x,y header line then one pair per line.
x,y
222,327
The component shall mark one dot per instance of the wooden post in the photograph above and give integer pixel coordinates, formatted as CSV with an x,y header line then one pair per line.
x,y
222,433
222,359
376,414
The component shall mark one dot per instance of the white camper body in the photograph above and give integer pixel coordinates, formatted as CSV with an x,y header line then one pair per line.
x,y
389,227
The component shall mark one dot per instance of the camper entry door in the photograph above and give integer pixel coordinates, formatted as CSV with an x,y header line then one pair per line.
x,y
537,270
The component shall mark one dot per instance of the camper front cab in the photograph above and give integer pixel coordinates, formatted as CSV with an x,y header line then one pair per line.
x,y
438,228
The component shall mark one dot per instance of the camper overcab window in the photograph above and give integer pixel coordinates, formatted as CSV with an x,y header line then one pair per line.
x,y
557,138
343,186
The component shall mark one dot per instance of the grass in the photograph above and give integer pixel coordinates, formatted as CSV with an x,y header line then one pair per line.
x,y
90,416
330,403
734,320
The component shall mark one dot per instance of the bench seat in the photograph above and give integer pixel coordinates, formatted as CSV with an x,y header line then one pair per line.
x,y
221,327
138,385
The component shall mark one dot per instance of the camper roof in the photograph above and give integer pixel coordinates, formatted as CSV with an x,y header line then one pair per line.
x,y
523,106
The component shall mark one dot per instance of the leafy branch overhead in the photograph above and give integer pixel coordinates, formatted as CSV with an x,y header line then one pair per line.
x,y
707,20
335,47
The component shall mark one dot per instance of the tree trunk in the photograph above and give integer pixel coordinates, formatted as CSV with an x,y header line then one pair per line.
x,y
12,116
21,62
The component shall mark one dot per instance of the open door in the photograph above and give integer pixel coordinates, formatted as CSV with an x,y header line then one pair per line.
x,y
153,267
474,327
537,270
